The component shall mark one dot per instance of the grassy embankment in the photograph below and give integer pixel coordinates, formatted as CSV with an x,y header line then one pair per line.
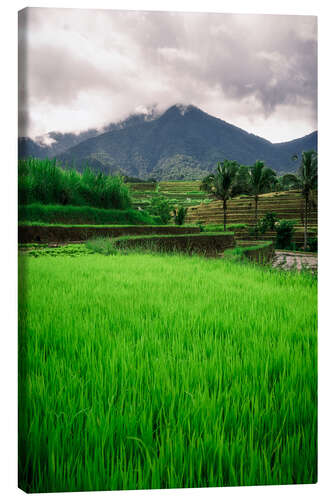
x,y
81,215
149,371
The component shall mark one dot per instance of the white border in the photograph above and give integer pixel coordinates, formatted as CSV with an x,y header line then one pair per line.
x,y
8,198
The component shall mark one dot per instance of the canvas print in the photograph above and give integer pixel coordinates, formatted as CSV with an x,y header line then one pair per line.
x,y
167,186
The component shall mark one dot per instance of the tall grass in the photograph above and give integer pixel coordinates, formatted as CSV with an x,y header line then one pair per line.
x,y
42,181
145,371
69,214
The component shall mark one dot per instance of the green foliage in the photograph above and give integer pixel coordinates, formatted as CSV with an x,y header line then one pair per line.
x,y
238,253
178,167
220,228
308,181
179,215
104,246
42,181
308,172
42,250
313,244
261,178
242,185
68,214
222,184
142,371
201,226
162,208
266,223
269,220
284,232
289,181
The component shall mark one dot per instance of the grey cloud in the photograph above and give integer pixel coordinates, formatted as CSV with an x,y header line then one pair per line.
x,y
55,77
148,57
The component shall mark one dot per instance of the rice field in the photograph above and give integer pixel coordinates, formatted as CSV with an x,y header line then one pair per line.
x,y
165,371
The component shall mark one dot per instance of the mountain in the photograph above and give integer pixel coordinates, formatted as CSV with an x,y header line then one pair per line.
x,y
182,143
55,143
27,147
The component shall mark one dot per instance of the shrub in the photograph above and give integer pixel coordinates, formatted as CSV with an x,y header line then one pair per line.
x,y
264,224
284,233
162,208
313,244
201,226
268,221
179,215
104,246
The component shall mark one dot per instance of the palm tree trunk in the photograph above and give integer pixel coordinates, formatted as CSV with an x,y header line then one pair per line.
x,y
256,208
306,222
225,214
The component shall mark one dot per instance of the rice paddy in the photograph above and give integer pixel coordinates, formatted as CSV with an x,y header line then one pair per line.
x,y
165,371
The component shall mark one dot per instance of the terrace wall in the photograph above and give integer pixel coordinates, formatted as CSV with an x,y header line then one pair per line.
x,y
210,245
263,253
62,234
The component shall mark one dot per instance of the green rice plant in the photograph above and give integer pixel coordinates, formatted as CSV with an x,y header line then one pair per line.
x,y
82,215
43,250
252,252
150,371
219,227
104,246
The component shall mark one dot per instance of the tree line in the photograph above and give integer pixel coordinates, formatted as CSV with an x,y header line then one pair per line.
x,y
231,179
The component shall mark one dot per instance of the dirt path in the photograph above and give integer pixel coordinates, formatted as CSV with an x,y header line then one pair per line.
x,y
291,260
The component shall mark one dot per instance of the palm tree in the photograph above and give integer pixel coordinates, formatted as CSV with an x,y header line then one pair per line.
x,y
308,182
222,184
260,178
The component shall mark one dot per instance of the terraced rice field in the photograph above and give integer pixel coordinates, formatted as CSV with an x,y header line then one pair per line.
x,y
185,193
203,208
286,205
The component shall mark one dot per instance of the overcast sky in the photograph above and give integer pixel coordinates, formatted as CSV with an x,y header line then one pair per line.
x,y
86,68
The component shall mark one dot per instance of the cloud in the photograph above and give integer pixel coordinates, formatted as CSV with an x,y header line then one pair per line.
x,y
85,68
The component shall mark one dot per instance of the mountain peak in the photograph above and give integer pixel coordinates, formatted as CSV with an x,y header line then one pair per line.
x,y
180,109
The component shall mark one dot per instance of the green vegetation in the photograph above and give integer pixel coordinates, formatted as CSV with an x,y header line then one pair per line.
x,y
261,179
105,246
284,234
313,245
42,181
179,215
308,182
215,228
165,372
68,214
161,208
42,250
115,226
240,253
209,244
266,223
221,184
157,236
